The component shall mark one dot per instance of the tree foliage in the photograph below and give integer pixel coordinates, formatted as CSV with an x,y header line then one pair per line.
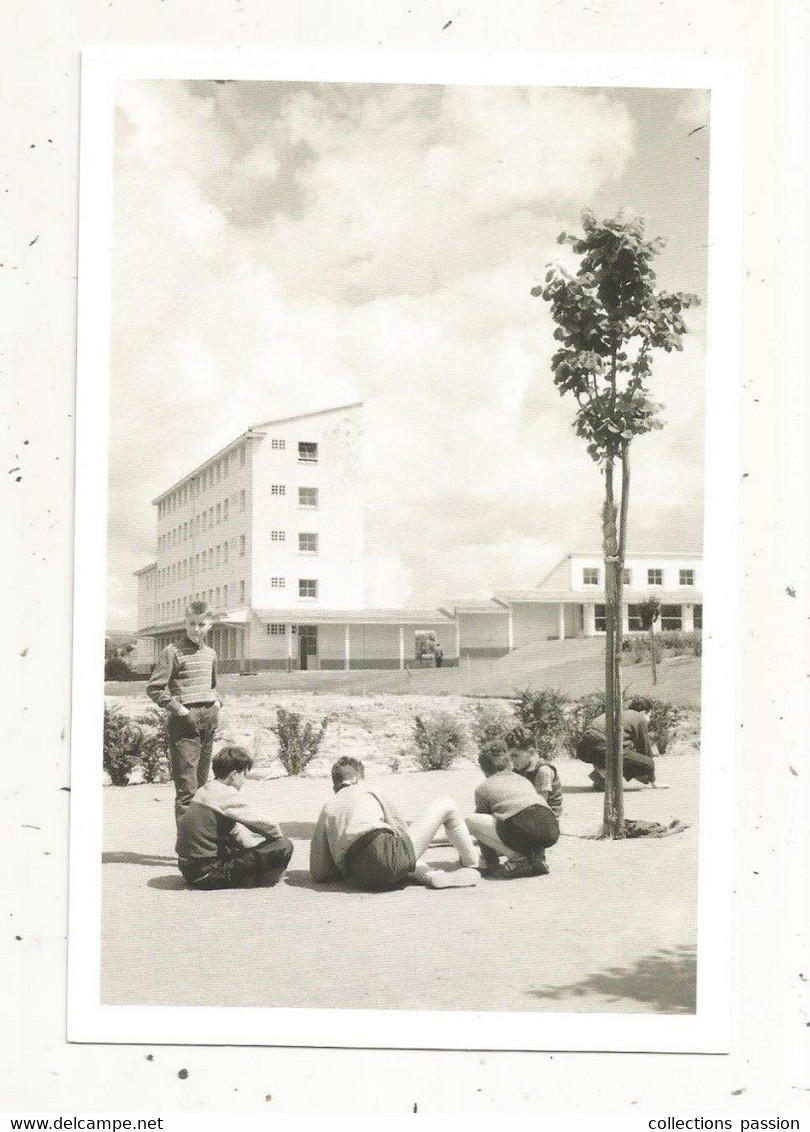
x,y
610,318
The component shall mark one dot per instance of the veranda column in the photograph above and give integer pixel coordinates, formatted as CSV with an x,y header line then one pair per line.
x,y
289,647
561,620
402,646
688,618
510,631
346,648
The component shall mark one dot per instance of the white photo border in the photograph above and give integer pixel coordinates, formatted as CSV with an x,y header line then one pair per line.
x,y
708,1030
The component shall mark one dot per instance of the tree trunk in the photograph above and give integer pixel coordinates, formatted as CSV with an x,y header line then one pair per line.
x,y
652,652
614,799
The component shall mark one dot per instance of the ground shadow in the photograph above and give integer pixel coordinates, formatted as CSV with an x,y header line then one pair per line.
x,y
167,883
627,788
664,981
297,830
124,857
301,878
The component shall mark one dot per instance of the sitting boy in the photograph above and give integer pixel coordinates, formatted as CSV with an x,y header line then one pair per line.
x,y
637,757
526,762
222,840
510,819
360,837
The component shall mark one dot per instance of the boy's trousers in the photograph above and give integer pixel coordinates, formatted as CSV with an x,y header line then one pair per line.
x,y
191,739
259,867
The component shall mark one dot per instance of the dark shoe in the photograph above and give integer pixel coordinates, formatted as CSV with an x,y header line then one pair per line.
x,y
516,869
538,865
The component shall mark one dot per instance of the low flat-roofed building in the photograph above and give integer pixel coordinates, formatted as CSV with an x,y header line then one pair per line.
x,y
570,600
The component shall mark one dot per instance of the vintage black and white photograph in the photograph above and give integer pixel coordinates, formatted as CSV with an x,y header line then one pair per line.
x,y
404,472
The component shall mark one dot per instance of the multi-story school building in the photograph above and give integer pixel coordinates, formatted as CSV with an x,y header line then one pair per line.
x,y
269,531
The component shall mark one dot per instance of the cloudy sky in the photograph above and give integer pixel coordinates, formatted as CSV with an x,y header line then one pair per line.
x,y
284,247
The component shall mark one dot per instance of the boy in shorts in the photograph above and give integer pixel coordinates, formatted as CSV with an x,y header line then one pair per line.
x,y
223,840
511,820
360,837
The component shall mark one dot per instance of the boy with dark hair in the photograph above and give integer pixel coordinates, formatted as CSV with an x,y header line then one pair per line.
x,y
223,841
510,819
360,837
526,762
637,757
184,682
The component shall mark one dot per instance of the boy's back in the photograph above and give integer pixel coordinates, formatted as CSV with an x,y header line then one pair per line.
x,y
505,794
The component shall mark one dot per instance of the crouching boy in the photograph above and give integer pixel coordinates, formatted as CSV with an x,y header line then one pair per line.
x,y
510,819
526,762
223,841
361,838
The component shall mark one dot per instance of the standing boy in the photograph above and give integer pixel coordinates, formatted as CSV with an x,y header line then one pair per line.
x,y
184,682
510,819
223,841
361,838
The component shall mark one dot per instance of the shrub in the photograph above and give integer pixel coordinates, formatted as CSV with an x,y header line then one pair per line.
x,y
116,668
139,742
153,751
545,714
670,642
297,743
638,648
664,720
581,713
489,722
120,746
439,740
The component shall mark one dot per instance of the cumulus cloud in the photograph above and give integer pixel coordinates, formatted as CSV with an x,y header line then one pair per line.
x,y
279,248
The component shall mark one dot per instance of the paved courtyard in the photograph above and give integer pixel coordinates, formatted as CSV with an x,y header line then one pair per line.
x,y
612,928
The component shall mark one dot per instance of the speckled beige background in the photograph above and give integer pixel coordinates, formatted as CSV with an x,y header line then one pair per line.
x,y
767,1068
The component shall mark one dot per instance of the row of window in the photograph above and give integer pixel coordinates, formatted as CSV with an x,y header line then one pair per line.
x,y
220,470
219,512
203,521
307,587
307,496
205,560
655,577
217,598
307,451
671,618
203,481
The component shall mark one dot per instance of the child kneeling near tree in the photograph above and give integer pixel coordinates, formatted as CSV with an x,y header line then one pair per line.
x,y
223,841
360,837
527,762
511,820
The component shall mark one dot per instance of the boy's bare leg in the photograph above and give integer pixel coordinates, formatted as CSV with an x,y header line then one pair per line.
x,y
443,812
482,827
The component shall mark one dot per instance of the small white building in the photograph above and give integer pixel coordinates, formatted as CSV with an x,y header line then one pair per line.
x,y
570,600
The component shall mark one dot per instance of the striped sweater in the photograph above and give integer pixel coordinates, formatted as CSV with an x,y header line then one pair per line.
x,y
184,674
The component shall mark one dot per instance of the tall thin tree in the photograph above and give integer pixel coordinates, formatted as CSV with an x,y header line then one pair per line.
x,y
610,317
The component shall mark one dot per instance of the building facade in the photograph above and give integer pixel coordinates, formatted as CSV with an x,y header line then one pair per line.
x,y
269,532
570,600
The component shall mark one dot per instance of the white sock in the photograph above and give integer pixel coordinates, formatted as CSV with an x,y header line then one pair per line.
x,y
458,878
